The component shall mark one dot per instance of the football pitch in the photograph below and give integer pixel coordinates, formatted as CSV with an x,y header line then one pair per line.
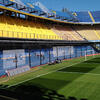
x,y
75,79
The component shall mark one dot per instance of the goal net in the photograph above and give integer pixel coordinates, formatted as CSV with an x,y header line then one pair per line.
x,y
88,54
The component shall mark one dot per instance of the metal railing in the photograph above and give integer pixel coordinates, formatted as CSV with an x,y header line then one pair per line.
x,y
22,35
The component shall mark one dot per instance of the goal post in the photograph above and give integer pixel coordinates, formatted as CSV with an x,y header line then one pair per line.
x,y
87,54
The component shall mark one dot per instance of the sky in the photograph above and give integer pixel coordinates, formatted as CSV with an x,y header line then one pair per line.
x,y
72,5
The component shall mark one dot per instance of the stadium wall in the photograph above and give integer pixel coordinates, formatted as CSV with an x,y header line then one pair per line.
x,y
11,59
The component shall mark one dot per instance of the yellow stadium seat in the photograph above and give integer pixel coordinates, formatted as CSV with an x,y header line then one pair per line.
x,y
19,28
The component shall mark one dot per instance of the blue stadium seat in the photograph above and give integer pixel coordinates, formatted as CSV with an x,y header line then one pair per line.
x,y
83,16
96,15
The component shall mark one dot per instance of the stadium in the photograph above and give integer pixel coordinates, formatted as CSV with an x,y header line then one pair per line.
x,y
47,54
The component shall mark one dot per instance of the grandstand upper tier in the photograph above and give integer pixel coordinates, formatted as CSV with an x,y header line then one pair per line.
x,y
28,20
39,10
88,16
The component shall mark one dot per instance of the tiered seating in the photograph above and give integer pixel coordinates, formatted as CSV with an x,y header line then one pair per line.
x,y
97,30
83,16
74,33
96,15
67,33
87,32
21,28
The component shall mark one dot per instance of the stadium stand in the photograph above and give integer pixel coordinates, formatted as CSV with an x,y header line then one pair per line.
x,y
67,33
16,25
20,28
97,29
96,15
87,32
83,16
62,15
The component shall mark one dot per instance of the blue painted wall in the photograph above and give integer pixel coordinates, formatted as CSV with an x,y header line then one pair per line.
x,y
37,57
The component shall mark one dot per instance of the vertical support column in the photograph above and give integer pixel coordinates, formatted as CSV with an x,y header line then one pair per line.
x,y
40,57
91,51
16,60
81,51
64,53
57,52
29,58
86,49
75,52
70,52
49,56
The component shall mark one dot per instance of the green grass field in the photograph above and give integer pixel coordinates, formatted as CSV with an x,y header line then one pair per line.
x,y
71,78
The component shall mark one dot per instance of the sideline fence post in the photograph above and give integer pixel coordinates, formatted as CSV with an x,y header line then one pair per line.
x,y
16,60
29,58
57,52
70,52
49,56
40,57
64,52
76,52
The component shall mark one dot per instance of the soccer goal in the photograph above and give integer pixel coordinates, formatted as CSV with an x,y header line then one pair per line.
x,y
88,54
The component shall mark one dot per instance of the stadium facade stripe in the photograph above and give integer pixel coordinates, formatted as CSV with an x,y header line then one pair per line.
x,y
97,34
91,16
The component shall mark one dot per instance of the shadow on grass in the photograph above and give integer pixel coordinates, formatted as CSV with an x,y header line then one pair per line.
x,y
93,61
78,69
83,67
30,92
38,89
53,84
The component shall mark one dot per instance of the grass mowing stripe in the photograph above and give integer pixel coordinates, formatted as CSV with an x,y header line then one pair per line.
x,y
42,75
78,73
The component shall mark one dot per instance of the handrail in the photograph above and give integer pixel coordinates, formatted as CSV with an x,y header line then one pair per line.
x,y
12,34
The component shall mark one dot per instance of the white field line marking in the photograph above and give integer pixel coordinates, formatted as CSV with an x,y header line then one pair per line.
x,y
78,73
43,74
